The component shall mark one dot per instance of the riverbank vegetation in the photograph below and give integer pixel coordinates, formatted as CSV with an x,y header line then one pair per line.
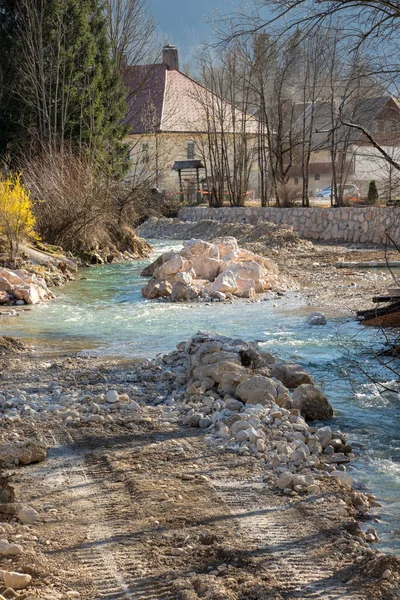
x,y
62,106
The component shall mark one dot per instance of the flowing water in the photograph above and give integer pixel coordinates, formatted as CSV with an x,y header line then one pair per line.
x,y
104,313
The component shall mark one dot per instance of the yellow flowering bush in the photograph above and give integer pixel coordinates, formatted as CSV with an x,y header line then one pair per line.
x,y
16,217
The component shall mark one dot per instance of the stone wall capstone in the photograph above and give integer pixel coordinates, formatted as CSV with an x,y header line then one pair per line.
x,y
364,225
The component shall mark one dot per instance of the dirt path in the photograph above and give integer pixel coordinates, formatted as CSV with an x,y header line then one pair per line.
x,y
155,514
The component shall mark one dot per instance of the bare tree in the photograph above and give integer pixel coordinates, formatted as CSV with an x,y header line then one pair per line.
x,y
132,32
226,131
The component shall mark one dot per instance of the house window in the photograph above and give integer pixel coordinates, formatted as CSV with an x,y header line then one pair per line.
x,y
296,181
190,150
316,177
145,153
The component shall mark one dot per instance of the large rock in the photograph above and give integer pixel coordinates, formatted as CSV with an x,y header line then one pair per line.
x,y
291,375
257,390
160,260
316,318
201,249
225,282
312,402
173,266
157,289
7,549
228,375
16,581
226,245
23,453
245,288
183,292
249,270
206,268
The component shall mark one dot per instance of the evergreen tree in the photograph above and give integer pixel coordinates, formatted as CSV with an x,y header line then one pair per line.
x,y
373,193
66,86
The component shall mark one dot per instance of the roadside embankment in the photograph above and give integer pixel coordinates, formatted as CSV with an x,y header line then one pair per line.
x,y
194,475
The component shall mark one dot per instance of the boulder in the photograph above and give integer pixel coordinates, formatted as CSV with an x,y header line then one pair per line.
x,y
183,292
7,549
16,581
257,390
173,266
28,515
112,396
23,453
206,268
285,480
201,249
185,277
225,282
160,260
316,318
226,245
228,375
312,402
249,270
245,288
5,285
291,375
157,289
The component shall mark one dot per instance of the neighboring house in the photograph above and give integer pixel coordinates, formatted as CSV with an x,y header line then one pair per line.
x,y
356,159
171,119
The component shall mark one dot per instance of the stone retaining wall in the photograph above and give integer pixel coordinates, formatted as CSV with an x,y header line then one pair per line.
x,y
366,225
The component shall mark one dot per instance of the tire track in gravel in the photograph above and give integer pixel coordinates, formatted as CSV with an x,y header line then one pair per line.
x,y
108,559
290,543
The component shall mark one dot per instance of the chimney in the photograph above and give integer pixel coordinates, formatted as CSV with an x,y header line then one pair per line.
x,y
170,57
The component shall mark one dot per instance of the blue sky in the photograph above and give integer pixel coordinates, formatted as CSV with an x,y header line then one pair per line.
x,y
184,22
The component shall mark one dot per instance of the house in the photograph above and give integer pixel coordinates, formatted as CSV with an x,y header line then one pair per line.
x,y
173,122
346,153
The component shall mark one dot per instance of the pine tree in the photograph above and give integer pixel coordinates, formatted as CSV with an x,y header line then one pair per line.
x,y
67,88
373,193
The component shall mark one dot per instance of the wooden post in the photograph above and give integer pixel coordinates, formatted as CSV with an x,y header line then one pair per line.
x,y
198,195
180,184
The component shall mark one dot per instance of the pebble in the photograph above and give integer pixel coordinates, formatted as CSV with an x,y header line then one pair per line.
x,y
112,396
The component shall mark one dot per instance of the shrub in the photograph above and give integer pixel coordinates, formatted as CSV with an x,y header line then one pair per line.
x,y
373,193
16,217
77,202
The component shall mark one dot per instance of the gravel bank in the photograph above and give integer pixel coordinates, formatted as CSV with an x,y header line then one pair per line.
x,y
132,501
309,264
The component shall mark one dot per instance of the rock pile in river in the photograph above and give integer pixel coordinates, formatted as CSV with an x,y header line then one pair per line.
x,y
215,270
249,403
21,287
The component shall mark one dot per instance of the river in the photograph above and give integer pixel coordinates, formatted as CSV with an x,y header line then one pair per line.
x,y
103,313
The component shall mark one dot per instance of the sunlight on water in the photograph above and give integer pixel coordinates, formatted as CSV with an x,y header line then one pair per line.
x,y
104,313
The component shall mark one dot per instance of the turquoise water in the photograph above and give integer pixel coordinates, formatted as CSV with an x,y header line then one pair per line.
x,y
104,313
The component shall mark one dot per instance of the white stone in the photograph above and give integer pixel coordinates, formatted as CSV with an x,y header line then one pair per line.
x,y
112,396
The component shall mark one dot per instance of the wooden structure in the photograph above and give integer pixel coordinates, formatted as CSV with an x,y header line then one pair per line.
x,y
190,167
383,316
